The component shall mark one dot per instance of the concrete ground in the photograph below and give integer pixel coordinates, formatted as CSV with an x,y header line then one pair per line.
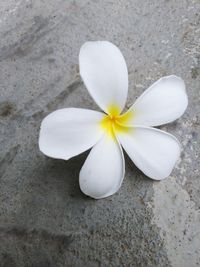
x,y
45,220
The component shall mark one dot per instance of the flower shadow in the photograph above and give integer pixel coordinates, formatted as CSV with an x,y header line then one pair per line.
x,y
64,175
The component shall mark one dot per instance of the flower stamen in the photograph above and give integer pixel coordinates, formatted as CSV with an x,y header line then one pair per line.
x,y
114,122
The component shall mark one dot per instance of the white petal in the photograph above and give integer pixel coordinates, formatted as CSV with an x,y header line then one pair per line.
x,y
68,132
104,72
103,170
165,101
153,151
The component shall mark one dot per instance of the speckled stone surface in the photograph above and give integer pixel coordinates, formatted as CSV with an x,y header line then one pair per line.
x,y
45,220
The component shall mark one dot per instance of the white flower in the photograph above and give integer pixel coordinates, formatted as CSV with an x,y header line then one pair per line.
x,y
68,132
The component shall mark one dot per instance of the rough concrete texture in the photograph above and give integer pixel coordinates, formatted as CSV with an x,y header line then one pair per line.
x,y
45,220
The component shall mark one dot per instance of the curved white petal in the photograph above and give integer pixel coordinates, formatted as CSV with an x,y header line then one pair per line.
x,y
104,72
103,170
165,101
153,151
68,132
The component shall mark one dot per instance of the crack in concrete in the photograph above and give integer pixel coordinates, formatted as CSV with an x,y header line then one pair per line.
x,y
179,223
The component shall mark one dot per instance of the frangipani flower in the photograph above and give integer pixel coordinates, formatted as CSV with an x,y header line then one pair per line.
x,y
68,132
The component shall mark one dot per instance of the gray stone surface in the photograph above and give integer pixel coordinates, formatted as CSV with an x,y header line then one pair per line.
x,y
45,220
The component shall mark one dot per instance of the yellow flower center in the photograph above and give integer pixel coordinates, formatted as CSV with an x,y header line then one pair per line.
x,y
114,122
